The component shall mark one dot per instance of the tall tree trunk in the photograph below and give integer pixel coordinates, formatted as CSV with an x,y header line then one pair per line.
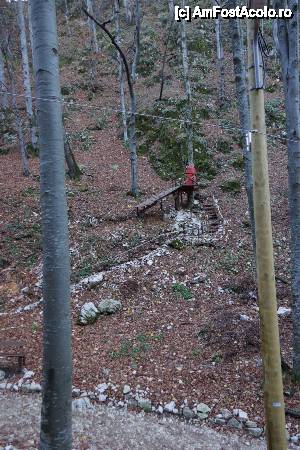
x,y
56,432
67,17
127,11
187,86
162,75
92,26
288,39
3,87
171,9
220,58
137,40
121,73
26,74
74,171
243,109
18,120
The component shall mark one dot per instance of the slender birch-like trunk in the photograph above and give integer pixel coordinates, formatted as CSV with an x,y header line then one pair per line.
x,y
127,8
220,58
26,74
288,40
92,26
17,117
171,9
137,40
187,86
56,427
243,110
3,87
67,17
121,73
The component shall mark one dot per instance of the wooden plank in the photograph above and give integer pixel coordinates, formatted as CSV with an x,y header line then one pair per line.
x,y
156,198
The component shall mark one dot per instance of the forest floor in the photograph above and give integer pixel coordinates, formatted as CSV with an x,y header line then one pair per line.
x,y
189,326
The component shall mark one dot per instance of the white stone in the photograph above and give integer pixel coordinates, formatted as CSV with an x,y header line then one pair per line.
x,y
81,404
169,407
102,398
160,409
284,312
244,317
101,388
88,313
126,389
28,374
109,306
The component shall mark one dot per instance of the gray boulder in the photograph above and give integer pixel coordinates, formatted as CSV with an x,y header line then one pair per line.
x,y
2,375
109,306
88,314
234,423
255,432
82,404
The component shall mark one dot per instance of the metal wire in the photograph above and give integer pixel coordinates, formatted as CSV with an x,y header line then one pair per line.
x,y
140,114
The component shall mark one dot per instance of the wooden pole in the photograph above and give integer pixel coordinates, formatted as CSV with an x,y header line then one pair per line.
x,y
270,346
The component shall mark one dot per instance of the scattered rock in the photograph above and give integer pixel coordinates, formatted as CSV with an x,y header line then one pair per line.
x,y
31,387
2,375
226,414
250,424
101,388
81,404
199,278
219,421
202,411
234,423
188,413
245,318
28,374
126,389
102,398
109,306
284,312
169,407
241,415
88,314
76,392
255,432
145,404
160,409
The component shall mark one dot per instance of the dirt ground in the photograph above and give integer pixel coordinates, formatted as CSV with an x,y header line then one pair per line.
x,y
111,429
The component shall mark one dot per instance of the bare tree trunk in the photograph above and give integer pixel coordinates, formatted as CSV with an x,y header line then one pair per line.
x,y
127,11
220,58
74,171
18,120
137,42
171,9
56,424
3,87
243,109
162,76
92,26
288,39
26,74
187,86
121,73
67,17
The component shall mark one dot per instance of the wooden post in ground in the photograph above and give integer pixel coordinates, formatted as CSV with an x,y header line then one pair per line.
x,y
270,346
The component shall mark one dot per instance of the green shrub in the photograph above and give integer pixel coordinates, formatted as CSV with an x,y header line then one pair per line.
x,y
232,186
